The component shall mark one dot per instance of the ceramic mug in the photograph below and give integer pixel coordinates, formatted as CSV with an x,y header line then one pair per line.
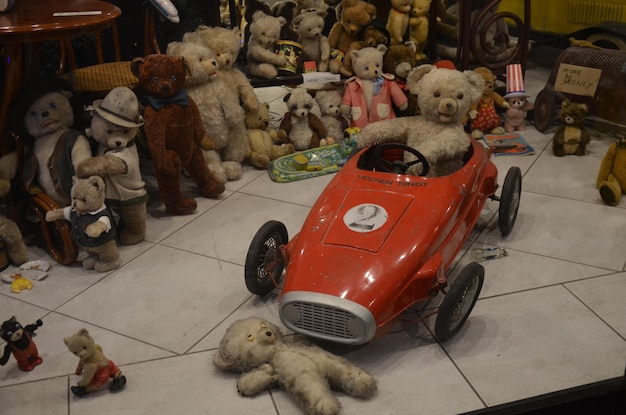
x,y
292,51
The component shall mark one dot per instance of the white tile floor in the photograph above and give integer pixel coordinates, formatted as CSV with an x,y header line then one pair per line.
x,y
551,314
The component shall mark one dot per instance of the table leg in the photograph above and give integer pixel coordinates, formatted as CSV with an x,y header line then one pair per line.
x,y
12,81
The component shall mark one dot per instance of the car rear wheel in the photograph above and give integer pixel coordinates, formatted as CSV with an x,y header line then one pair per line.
x,y
545,110
459,301
509,200
264,262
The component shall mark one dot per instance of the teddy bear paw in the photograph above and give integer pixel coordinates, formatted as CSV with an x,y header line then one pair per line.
x,y
79,391
361,385
261,161
325,406
477,134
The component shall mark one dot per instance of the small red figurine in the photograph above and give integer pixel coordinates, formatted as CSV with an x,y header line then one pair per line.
x,y
20,344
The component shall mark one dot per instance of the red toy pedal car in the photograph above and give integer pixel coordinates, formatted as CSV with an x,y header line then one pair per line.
x,y
378,240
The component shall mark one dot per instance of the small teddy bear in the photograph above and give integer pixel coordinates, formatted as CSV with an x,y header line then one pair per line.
x,y
96,369
222,115
174,132
264,143
92,224
372,35
398,20
419,26
571,137
264,33
483,114
611,180
399,60
329,102
114,126
44,113
315,46
368,96
255,348
226,44
352,17
445,96
515,116
19,342
303,128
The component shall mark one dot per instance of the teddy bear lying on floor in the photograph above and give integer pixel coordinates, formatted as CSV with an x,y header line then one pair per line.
x,y
255,348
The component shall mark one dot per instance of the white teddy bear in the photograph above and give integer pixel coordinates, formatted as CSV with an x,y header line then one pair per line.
x,y
255,348
444,98
222,116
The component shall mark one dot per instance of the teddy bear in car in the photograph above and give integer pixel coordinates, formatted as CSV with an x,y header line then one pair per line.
x,y
571,137
256,348
44,115
445,96
369,95
303,128
174,132
114,126
91,224
96,369
220,111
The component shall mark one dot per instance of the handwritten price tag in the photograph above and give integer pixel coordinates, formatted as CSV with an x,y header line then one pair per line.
x,y
577,80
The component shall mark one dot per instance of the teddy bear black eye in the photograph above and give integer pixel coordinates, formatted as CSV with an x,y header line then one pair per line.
x,y
173,77
155,79
307,106
460,96
293,107
109,132
436,94
367,68
263,33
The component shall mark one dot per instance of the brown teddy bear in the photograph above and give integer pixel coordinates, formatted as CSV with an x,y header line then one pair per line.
x,y
96,369
92,226
611,179
399,60
174,132
352,17
114,126
571,137
264,143
483,112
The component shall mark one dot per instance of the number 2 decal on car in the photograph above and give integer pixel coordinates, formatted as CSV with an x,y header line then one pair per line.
x,y
366,217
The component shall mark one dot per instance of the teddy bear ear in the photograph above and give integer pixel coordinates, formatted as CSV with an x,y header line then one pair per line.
x,y
135,66
286,97
281,20
477,81
259,14
416,75
381,48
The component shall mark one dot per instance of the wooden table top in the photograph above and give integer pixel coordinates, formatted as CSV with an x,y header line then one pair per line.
x,y
35,20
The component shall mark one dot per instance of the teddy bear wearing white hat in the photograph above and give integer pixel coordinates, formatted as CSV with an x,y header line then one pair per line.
x,y
114,126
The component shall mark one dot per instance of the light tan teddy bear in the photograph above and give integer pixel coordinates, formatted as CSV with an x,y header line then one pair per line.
x,y
221,114
444,98
95,368
92,226
255,348
264,143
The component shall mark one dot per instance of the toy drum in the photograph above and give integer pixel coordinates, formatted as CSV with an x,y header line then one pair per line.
x,y
292,51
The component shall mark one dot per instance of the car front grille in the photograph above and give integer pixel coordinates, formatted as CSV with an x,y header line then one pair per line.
x,y
327,317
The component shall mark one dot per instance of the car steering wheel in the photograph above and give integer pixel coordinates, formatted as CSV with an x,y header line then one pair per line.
x,y
398,166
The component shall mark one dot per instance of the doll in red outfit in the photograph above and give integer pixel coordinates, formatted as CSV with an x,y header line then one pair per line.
x,y
20,344
483,114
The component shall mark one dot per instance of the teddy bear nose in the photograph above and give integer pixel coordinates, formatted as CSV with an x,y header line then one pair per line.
x,y
118,144
45,114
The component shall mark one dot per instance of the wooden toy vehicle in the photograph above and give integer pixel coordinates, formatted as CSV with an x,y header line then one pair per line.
x,y
377,241
606,102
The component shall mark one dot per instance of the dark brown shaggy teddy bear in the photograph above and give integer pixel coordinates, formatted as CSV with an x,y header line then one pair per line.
x,y
174,132
571,137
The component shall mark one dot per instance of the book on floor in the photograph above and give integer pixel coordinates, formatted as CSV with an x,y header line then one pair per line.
x,y
508,144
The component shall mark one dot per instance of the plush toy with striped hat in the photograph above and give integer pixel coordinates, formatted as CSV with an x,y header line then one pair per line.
x,y
516,96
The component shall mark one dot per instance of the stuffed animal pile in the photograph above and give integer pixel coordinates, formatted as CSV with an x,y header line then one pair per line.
x,y
256,348
445,96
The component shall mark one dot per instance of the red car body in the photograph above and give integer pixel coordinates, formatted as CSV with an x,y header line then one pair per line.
x,y
376,242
